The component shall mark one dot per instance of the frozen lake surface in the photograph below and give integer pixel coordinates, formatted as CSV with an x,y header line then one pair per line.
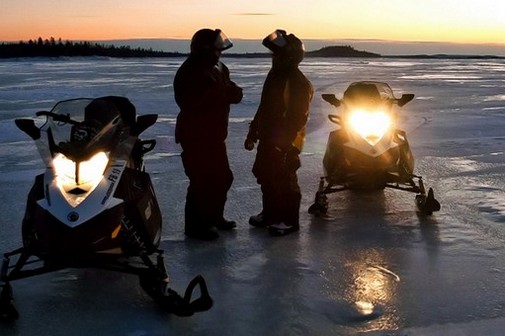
x,y
371,266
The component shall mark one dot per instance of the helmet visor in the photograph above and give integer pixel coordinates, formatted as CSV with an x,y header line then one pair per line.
x,y
222,41
276,41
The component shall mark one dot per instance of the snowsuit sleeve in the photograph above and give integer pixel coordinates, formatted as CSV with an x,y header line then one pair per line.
x,y
298,95
204,96
283,111
261,114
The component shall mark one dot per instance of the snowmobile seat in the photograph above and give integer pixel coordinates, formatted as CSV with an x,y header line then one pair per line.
x,y
100,111
104,109
128,114
126,109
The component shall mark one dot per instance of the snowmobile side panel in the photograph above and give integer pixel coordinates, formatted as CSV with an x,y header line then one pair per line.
x,y
137,191
54,239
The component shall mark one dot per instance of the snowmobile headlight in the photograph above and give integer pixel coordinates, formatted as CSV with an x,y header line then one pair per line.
x,y
371,125
79,177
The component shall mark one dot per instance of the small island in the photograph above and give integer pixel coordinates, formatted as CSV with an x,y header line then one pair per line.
x,y
340,51
57,48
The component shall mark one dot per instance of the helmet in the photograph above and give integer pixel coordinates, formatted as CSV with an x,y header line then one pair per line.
x,y
209,40
289,47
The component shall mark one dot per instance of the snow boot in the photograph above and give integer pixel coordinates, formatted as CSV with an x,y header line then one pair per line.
x,y
225,225
282,229
258,221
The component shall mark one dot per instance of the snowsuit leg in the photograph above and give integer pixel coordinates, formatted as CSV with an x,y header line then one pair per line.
x,y
276,173
210,178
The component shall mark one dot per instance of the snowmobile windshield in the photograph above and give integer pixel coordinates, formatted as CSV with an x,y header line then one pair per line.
x,y
369,95
79,128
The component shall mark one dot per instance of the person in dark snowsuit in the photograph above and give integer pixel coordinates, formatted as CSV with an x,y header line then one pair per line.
x,y
279,125
203,90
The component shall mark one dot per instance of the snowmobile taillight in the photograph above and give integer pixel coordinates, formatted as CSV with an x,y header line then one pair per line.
x,y
77,178
370,125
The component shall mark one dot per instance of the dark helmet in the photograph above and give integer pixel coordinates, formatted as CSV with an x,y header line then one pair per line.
x,y
289,47
206,40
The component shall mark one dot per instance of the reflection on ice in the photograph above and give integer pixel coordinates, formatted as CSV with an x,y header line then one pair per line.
x,y
464,164
239,120
494,108
444,76
385,271
161,155
495,98
170,121
494,203
65,275
374,287
250,269
365,308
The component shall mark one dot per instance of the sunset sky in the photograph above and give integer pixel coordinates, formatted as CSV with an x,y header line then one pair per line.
x,y
459,21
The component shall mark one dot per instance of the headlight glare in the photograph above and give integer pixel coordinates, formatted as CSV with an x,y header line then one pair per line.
x,y
84,175
371,125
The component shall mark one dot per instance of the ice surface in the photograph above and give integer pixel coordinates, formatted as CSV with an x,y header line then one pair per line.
x,y
371,266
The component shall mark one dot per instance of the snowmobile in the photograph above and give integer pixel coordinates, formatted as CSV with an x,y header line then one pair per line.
x,y
94,206
368,151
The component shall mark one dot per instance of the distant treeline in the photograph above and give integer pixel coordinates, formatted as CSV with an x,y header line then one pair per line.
x,y
56,48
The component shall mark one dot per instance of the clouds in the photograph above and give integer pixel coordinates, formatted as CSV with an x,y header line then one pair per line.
x,y
459,21
255,14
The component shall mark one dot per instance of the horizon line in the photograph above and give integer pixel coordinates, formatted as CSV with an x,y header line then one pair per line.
x,y
259,39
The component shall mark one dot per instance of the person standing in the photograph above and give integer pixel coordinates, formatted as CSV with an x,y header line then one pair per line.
x,y
203,91
279,126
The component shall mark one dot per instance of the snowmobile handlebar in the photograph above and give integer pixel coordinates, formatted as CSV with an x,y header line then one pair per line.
x,y
333,100
330,98
28,126
406,97
57,117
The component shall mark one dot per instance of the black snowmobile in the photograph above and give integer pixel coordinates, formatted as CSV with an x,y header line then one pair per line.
x,y
94,206
368,151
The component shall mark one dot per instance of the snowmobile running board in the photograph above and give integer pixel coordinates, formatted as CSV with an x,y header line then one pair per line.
x,y
153,279
426,203
412,187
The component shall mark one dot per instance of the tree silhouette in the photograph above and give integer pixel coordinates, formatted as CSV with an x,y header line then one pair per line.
x,y
51,48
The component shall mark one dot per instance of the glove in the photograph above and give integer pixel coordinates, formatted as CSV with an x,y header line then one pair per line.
x,y
234,94
249,144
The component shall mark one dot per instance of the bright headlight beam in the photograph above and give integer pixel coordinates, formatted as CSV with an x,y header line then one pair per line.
x,y
90,171
64,168
371,125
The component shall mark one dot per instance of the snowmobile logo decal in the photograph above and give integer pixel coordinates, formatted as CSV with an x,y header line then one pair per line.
x,y
112,178
80,135
73,216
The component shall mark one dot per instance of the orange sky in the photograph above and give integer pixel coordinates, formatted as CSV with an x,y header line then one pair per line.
x,y
460,21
